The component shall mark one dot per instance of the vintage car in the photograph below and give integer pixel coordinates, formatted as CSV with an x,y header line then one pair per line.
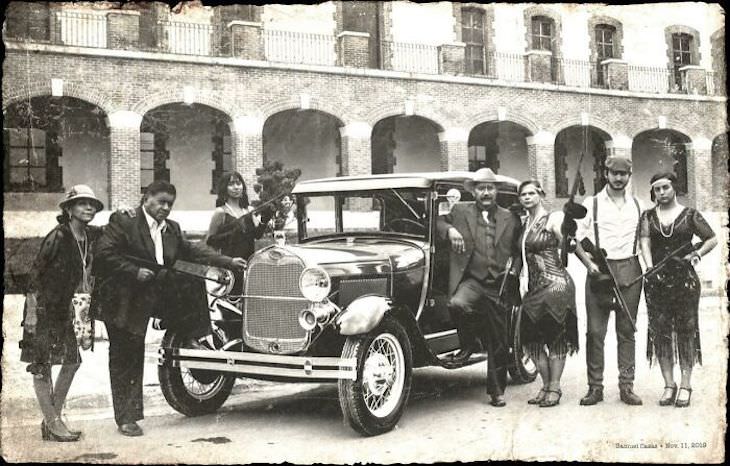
x,y
360,299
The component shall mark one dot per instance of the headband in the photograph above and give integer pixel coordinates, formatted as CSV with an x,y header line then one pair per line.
x,y
660,180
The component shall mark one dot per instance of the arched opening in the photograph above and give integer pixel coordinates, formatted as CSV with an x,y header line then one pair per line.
x,y
51,144
655,151
570,143
305,139
720,182
501,146
189,146
405,144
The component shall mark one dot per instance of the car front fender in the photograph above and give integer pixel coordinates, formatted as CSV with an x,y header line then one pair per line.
x,y
363,315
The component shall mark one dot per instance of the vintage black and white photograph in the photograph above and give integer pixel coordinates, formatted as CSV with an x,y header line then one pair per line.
x,y
364,232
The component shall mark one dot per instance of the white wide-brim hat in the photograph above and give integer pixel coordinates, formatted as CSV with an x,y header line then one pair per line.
x,y
483,175
81,191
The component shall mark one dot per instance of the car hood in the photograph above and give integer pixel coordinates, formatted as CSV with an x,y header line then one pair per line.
x,y
341,256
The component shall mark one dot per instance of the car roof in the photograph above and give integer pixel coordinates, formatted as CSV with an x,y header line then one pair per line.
x,y
388,181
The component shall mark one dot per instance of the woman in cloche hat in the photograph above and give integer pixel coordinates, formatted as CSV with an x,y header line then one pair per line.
x,y
59,276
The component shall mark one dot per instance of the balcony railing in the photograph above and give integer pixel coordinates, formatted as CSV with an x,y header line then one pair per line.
x,y
412,58
81,29
92,30
298,47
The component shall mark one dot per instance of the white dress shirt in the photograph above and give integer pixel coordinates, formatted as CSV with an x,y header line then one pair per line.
x,y
156,230
617,226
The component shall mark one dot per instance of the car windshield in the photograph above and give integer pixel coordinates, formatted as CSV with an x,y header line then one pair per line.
x,y
401,211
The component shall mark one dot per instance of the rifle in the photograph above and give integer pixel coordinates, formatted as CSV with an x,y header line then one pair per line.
x,y
186,268
659,265
572,211
599,256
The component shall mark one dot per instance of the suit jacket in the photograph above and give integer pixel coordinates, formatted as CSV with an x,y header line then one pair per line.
x,y
463,218
120,299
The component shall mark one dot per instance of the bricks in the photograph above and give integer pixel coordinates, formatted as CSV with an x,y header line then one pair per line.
x,y
122,28
354,48
451,58
246,40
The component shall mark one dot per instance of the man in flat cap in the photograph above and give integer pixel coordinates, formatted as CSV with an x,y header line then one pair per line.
x,y
483,236
612,224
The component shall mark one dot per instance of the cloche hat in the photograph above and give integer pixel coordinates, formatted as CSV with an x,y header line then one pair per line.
x,y
81,191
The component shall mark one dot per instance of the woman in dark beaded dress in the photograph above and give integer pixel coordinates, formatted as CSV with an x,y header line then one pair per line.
x,y
673,293
60,269
548,326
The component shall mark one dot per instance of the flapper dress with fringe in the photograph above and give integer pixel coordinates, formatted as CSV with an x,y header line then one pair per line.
x,y
673,295
548,307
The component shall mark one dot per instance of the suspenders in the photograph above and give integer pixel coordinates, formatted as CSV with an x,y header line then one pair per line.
x,y
595,223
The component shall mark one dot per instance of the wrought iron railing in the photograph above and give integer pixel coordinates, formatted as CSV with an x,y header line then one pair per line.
x,y
299,47
650,79
188,38
412,58
506,66
80,29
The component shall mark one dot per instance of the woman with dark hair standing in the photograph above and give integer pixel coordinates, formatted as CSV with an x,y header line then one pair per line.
x,y
61,270
232,207
548,325
673,293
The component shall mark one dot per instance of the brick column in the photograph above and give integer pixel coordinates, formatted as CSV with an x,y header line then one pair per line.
x,y
699,173
122,29
616,73
454,144
354,49
451,58
694,79
247,148
539,66
247,40
124,164
541,161
356,156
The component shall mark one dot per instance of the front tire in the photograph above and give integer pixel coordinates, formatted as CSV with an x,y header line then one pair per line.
x,y
192,392
374,402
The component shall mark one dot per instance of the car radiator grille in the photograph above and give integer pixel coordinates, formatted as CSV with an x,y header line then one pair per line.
x,y
271,317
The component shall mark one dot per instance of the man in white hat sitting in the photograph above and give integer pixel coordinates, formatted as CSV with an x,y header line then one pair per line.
x,y
483,237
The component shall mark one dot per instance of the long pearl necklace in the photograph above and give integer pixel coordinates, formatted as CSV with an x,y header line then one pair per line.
x,y
661,225
84,254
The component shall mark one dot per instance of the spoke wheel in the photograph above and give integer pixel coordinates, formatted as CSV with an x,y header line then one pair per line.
x,y
374,402
192,392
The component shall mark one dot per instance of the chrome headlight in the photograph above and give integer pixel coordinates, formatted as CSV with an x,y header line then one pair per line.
x,y
219,282
315,284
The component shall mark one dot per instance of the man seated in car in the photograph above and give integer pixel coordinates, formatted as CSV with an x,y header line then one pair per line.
x,y
483,237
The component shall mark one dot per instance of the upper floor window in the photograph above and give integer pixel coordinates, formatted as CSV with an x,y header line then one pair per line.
x,y
605,36
681,55
542,33
472,34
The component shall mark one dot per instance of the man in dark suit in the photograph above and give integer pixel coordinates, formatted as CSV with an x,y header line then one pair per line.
x,y
128,293
483,238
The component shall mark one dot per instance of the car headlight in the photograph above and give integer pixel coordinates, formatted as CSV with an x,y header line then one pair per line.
x,y
314,283
219,282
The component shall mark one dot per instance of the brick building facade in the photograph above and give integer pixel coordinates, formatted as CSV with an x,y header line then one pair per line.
x,y
349,89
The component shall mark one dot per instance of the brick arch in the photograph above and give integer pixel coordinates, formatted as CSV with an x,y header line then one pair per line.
x,y
393,109
294,103
492,117
209,99
593,122
672,125
77,91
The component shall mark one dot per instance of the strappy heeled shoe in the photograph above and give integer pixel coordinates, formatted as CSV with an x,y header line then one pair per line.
x,y
545,403
47,433
672,395
538,398
683,403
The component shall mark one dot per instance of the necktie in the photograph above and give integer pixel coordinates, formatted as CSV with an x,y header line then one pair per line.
x,y
485,216
156,233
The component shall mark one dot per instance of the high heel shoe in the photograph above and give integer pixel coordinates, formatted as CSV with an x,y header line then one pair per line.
x,y
545,403
683,403
538,398
47,433
668,400
44,430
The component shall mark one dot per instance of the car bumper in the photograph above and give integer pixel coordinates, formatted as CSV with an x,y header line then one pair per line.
x,y
298,368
